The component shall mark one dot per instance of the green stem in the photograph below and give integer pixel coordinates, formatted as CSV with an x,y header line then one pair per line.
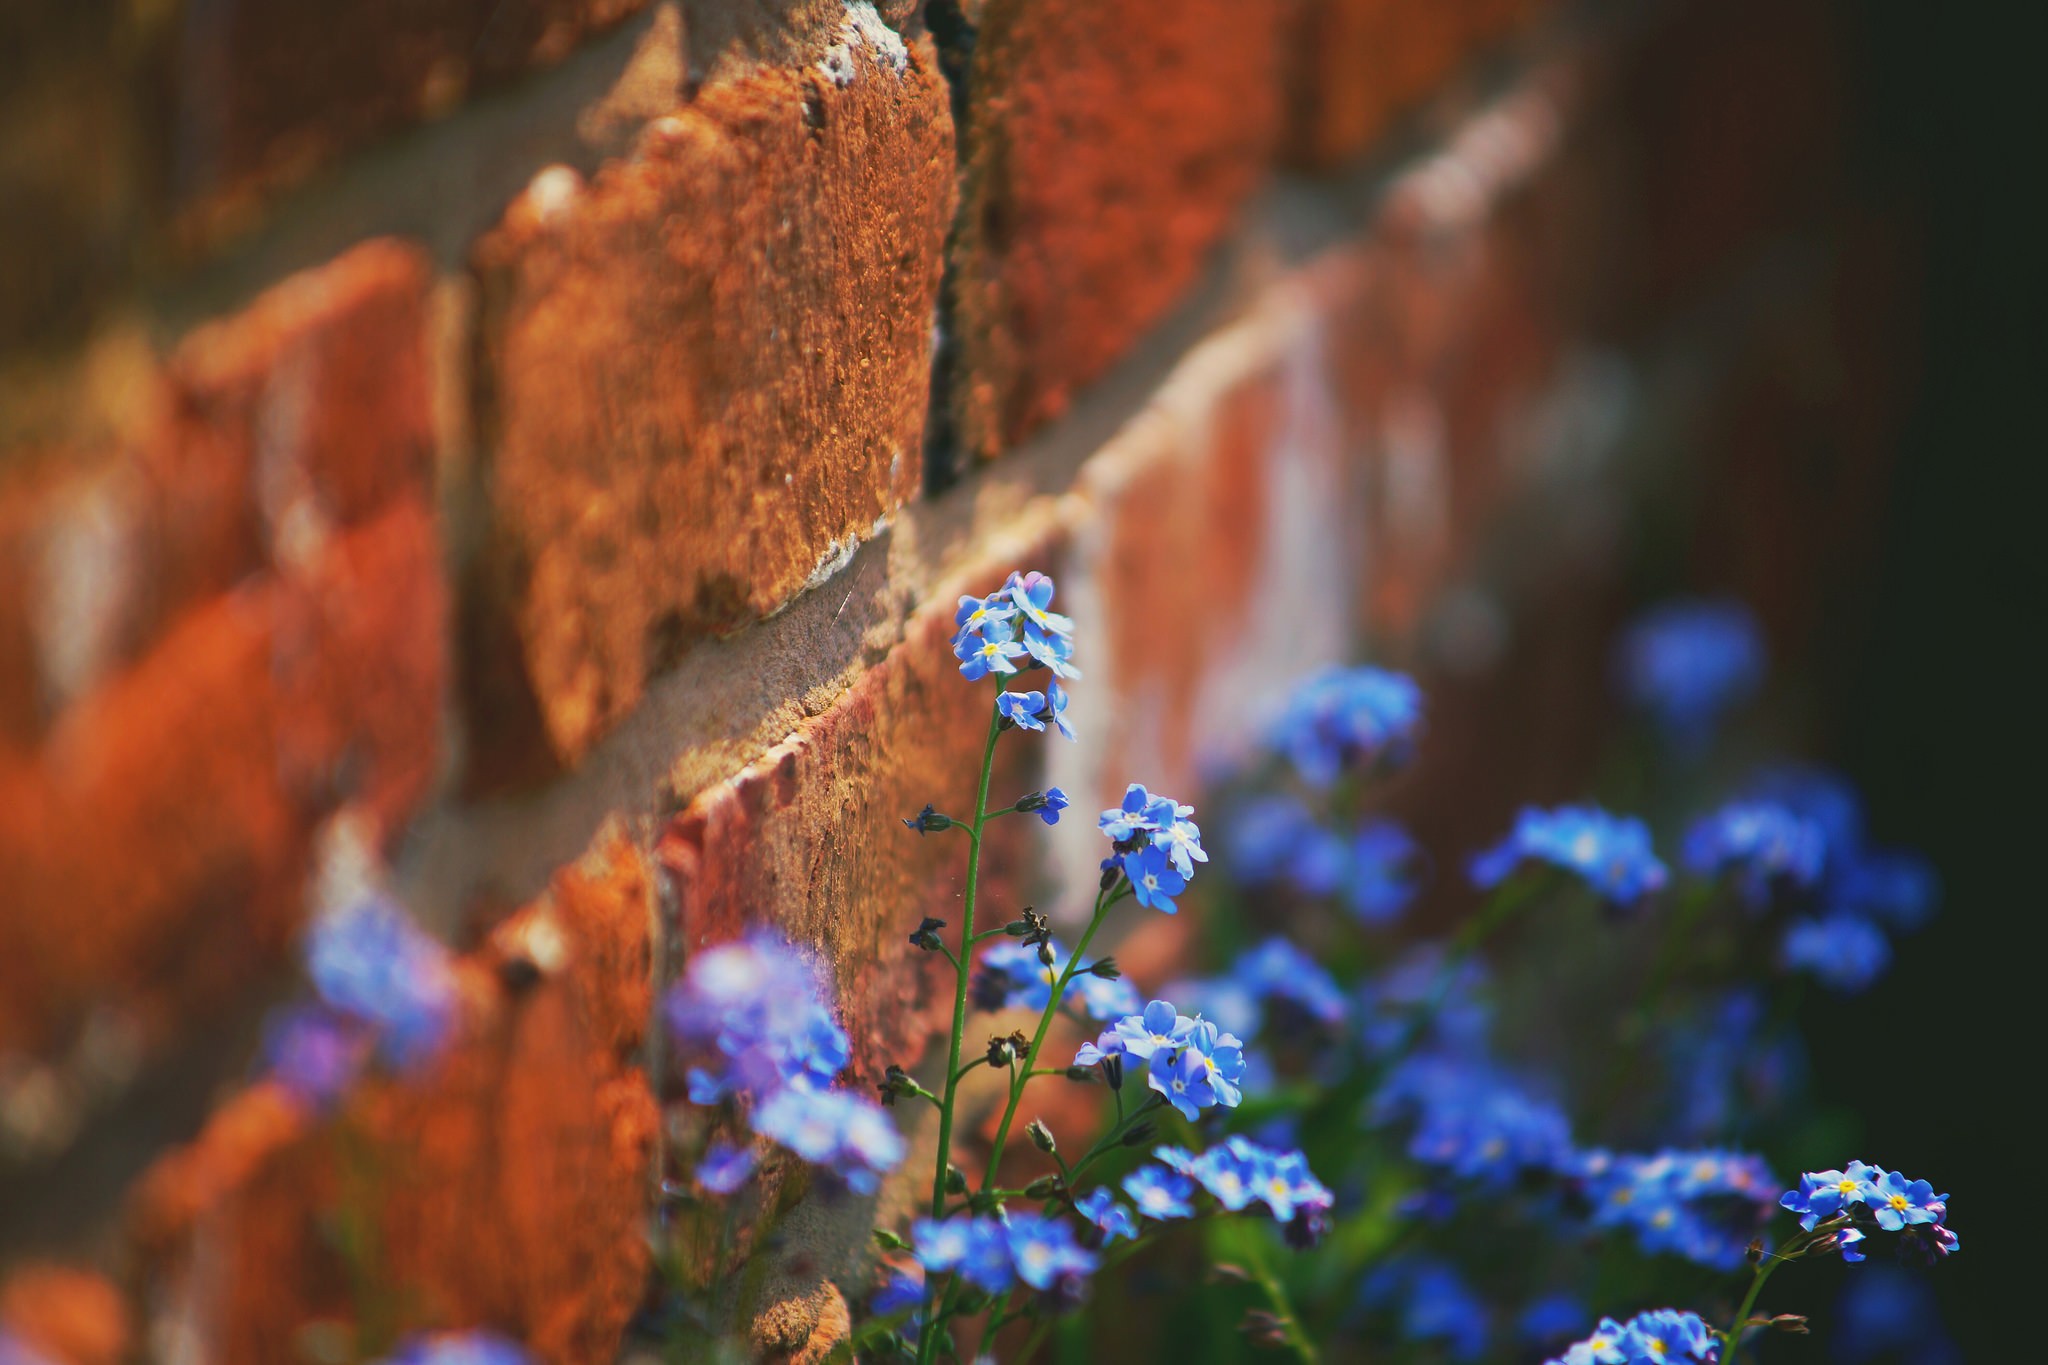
x,y
928,1336
1276,1294
1103,901
1733,1336
1108,1141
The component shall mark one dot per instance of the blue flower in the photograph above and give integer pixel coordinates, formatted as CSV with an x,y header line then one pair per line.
x,y
1033,710
1823,1194
1012,977
1434,1305
1342,718
1241,1172
975,1249
1704,1206
754,1013
1048,636
1895,1201
1202,1073
1665,1336
1043,1250
1160,1195
993,649
1138,814
369,961
1843,952
1055,802
1159,1028
902,1289
1687,662
1154,879
1826,798
1549,1319
1897,889
1286,1186
1379,879
725,1167
314,1052
1276,839
977,614
1277,970
1762,843
459,1348
1662,1336
1611,854
845,1133
1471,1122
1111,1219
1462,1017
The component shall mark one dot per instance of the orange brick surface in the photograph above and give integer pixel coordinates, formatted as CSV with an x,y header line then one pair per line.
x,y
1108,149
704,374
505,1187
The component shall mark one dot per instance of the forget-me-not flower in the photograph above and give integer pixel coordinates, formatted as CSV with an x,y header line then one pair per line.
x,y
1610,853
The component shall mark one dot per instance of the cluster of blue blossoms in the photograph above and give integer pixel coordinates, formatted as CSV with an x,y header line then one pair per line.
x,y
1345,718
1847,1202
1688,662
1376,871
1472,1123
1704,1206
1662,1336
1012,629
1610,853
372,964
1239,1172
753,1017
1190,1062
1157,846
994,1254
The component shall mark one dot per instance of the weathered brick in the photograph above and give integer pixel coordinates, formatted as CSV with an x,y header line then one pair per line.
x,y
262,433
703,375
506,1187
70,1317
810,839
1108,148
1360,64
258,95
171,808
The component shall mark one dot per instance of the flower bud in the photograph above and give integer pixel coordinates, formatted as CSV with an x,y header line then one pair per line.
x,y
1794,1323
929,821
889,1241
1041,1137
926,935
1105,968
1045,1187
1113,1070
956,1183
1045,953
1082,1075
1140,1134
1000,1052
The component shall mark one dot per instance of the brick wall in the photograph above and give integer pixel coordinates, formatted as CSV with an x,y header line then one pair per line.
x,y
530,449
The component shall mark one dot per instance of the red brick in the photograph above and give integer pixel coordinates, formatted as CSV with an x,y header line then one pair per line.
x,y
304,412
1361,64
506,1187
171,809
258,95
1108,149
810,839
703,375
70,1317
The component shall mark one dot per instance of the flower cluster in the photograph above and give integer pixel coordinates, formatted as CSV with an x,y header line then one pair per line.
x,y
1019,976
1704,1206
1761,844
995,1254
370,962
1662,1336
1014,622
753,1017
1375,872
1157,846
1240,1172
1687,662
1862,1196
1610,853
1347,718
1844,952
1189,1061
1472,1123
